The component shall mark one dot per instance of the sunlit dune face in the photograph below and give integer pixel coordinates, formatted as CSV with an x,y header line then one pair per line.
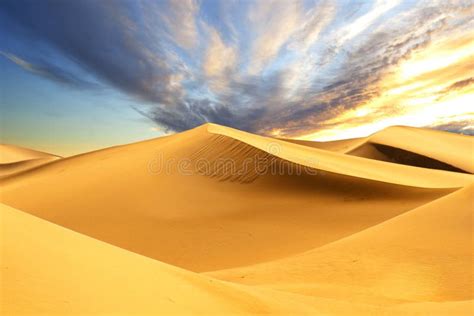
x,y
434,86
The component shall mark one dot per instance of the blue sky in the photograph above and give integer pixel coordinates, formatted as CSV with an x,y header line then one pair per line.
x,y
82,75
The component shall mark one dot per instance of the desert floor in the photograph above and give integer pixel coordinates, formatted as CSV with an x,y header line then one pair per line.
x,y
216,221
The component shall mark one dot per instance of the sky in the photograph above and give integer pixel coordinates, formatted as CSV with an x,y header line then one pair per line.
x,y
83,75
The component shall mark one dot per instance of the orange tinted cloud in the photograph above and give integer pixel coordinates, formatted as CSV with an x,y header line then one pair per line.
x,y
434,86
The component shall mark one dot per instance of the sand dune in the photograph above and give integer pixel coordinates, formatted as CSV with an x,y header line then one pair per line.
x,y
437,145
261,225
340,146
14,159
47,270
408,145
347,165
421,255
205,223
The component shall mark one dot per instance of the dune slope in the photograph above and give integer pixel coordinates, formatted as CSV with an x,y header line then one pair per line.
x,y
408,145
452,149
275,227
14,159
340,146
155,198
350,165
49,270
426,254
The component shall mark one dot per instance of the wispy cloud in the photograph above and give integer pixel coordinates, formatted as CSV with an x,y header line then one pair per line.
x,y
313,23
51,72
362,23
459,85
219,58
174,20
273,22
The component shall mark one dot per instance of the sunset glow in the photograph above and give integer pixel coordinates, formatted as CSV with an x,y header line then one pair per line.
x,y
434,87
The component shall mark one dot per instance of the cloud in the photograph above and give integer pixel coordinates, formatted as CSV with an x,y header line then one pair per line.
x,y
462,127
219,58
273,22
359,79
51,72
292,67
458,85
314,22
351,30
182,23
173,20
100,37
190,114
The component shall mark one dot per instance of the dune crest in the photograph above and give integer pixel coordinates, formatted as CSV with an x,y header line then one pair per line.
x,y
409,146
216,221
14,159
163,212
347,165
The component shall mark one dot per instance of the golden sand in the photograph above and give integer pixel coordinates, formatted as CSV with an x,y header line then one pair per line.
x,y
163,227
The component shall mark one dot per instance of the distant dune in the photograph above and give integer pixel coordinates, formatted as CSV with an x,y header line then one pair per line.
x,y
408,145
219,221
14,159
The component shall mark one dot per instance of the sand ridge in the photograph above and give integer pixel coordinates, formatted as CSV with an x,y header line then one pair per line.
x,y
164,226
165,214
347,165
452,149
15,159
